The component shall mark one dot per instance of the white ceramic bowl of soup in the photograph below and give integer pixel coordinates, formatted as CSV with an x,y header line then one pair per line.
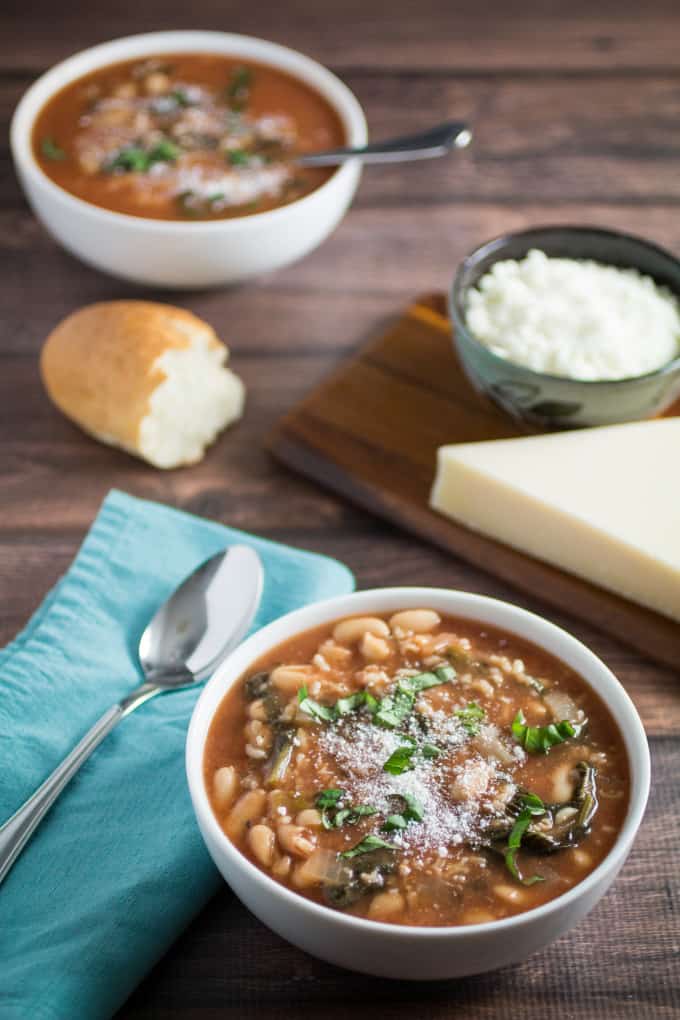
x,y
400,951
175,253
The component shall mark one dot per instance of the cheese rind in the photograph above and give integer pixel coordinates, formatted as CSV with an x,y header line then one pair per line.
x,y
601,503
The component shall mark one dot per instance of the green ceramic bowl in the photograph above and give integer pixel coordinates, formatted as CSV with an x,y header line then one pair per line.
x,y
551,401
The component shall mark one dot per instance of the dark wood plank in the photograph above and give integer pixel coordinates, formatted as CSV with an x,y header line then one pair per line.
x,y
371,432
538,35
330,302
575,109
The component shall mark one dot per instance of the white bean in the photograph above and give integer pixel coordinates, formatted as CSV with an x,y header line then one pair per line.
x,y
335,654
562,784
310,818
281,866
482,687
259,734
126,90
225,786
415,621
374,648
509,893
262,842
257,710
289,679
476,915
295,840
385,905
351,631
245,811
565,814
156,83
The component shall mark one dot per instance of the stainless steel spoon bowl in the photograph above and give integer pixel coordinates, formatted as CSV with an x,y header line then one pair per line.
x,y
437,141
201,622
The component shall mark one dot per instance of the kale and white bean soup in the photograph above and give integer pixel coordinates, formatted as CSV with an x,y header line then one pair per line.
x,y
185,136
417,769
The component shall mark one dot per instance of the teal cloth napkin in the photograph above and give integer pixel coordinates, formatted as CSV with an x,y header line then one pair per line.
x,y
117,868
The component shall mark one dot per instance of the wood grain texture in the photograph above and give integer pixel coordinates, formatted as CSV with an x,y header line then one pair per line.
x,y
575,110
371,433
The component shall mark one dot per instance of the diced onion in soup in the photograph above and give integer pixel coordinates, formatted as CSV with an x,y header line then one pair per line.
x,y
562,706
324,867
490,746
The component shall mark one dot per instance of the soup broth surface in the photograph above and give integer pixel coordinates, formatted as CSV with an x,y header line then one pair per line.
x,y
417,769
185,136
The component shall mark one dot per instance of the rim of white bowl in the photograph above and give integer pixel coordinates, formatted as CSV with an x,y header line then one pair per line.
x,y
473,607
283,58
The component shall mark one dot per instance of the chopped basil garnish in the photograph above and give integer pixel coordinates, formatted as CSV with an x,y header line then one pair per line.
x,y
343,706
396,707
533,802
333,816
389,712
350,815
430,751
238,157
328,798
51,150
539,739
394,822
238,90
532,806
164,151
470,717
368,844
400,760
359,699
414,811
411,812
135,159
322,713
441,675
180,97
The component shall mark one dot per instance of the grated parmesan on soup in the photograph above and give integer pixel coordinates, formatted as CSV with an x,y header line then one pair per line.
x,y
391,766
574,318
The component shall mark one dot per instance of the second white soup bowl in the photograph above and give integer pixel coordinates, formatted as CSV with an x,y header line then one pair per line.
x,y
185,254
399,951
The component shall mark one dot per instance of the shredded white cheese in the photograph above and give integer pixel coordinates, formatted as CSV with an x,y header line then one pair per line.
x,y
228,187
572,318
453,801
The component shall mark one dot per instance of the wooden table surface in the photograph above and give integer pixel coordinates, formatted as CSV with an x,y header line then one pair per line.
x,y
576,114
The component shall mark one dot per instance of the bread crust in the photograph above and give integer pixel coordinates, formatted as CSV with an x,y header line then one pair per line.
x,y
97,365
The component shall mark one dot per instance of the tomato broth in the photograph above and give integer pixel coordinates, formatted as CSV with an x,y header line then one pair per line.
x,y
417,769
186,136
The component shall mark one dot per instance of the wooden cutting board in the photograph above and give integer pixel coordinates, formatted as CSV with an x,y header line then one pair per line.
x,y
371,431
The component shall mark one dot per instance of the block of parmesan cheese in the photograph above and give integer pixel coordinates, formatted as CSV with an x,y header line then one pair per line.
x,y
601,503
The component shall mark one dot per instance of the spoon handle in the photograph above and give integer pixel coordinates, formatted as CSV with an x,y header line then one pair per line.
x,y
18,829
436,141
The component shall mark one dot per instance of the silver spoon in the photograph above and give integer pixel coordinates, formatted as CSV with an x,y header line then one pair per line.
x,y
186,640
436,141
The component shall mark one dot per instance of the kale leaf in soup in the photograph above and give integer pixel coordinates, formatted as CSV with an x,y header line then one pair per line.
x,y
417,769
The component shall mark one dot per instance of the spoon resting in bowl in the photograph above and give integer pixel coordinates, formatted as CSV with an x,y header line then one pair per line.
x,y
437,141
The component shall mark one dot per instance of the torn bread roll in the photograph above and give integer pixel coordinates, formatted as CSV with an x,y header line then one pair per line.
x,y
147,377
